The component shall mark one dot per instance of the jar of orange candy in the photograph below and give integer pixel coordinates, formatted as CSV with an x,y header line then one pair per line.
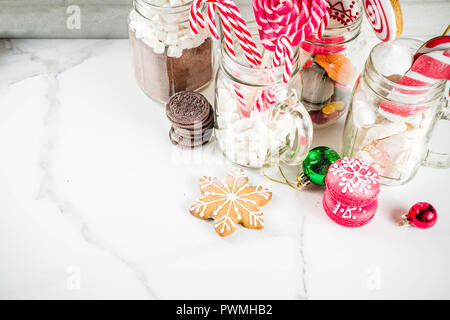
x,y
331,64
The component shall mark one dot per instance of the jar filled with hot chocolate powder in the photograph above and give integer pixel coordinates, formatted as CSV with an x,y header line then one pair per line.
x,y
167,57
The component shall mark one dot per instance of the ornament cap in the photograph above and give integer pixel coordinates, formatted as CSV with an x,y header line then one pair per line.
x,y
405,221
302,180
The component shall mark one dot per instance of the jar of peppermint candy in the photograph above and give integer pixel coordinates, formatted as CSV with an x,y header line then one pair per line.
x,y
167,57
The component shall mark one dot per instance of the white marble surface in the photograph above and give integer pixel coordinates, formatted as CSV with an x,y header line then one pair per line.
x,y
94,198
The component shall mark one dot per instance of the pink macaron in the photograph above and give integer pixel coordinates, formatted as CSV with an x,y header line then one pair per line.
x,y
348,216
353,182
352,187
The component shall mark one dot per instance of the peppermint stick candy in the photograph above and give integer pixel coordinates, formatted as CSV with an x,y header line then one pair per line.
x,y
232,17
283,51
231,20
426,70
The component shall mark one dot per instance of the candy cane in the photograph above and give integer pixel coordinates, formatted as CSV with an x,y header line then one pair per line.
x,y
426,70
283,51
324,24
231,19
314,15
232,15
438,43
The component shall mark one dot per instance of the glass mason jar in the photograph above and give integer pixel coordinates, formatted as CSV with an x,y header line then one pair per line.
x,y
259,118
167,57
389,125
330,65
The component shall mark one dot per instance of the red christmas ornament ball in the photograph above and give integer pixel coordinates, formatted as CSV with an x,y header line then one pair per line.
x,y
422,215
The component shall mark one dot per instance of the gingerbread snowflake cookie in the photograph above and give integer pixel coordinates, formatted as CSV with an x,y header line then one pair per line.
x,y
231,202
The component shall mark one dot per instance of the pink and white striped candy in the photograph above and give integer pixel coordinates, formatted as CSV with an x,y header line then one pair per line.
x,y
283,52
426,70
438,43
293,18
231,20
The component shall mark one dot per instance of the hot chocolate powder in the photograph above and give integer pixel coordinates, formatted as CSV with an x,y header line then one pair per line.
x,y
161,76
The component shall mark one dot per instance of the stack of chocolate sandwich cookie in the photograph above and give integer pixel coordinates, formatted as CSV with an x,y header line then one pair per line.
x,y
192,119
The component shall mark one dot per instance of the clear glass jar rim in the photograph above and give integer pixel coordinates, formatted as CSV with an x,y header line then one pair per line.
x,y
355,23
246,68
155,6
353,28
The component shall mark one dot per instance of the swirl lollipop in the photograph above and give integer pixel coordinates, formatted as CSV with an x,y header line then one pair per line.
x,y
385,17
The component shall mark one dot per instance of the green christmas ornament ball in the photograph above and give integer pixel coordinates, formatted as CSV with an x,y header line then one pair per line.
x,y
317,162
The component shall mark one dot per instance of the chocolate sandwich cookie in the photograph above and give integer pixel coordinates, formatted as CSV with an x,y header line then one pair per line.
x,y
192,119
196,124
195,129
189,142
205,135
192,134
186,107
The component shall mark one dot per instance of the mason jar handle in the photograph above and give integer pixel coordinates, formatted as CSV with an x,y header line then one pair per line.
x,y
437,159
298,149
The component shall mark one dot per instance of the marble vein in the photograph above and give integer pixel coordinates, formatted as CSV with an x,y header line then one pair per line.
x,y
51,67
302,255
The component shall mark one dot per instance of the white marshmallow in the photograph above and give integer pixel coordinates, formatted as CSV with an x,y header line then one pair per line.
x,y
186,43
172,38
242,124
159,47
161,36
174,52
249,141
171,27
175,3
391,58
363,115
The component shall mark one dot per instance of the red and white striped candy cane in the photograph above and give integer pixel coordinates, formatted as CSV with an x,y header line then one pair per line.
x,y
316,17
231,19
283,51
324,24
212,22
438,43
426,70
232,15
